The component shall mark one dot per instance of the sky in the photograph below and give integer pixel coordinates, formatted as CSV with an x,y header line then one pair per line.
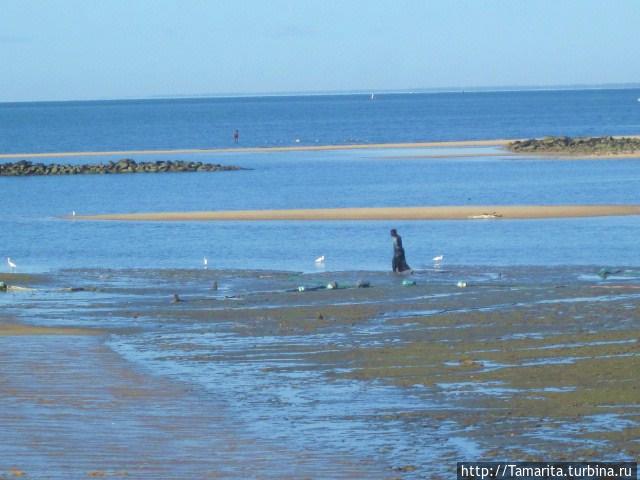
x,y
90,49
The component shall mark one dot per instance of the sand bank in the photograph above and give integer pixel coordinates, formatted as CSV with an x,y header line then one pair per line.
x,y
501,143
387,213
299,148
12,330
445,155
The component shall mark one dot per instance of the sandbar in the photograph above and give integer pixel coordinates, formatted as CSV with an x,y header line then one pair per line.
x,y
502,144
292,148
470,212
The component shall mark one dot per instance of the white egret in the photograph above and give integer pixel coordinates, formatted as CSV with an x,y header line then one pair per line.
x,y
12,266
205,262
320,260
437,261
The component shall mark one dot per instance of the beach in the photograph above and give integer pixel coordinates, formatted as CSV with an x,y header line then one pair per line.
x,y
221,384
486,212
59,422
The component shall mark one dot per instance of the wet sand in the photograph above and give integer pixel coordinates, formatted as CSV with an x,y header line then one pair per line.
x,y
519,361
14,330
500,154
72,408
390,381
498,143
472,212
300,148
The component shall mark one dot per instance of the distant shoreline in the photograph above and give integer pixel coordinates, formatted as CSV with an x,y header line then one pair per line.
x,y
460,89
472,213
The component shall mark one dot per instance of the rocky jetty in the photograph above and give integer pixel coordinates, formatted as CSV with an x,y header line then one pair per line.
x,y
26,168
578,145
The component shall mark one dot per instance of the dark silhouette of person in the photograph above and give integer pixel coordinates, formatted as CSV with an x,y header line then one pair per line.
x,y
399,262
236,136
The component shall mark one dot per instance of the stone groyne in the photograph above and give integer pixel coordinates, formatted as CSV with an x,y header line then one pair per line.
x,y
127,165
578,145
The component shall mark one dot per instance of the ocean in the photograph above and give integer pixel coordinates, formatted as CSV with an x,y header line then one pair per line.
x,y
310,120
36,237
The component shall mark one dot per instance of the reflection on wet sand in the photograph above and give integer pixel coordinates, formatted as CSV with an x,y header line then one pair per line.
x,y
389,381
72,408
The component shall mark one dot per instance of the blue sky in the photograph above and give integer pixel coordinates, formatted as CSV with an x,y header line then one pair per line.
x,y
68,49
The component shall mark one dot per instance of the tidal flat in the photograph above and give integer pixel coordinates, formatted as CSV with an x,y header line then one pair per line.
x,y
251,376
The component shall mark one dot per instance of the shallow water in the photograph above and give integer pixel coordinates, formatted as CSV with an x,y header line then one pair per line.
x,y
267,363
39,240
59,423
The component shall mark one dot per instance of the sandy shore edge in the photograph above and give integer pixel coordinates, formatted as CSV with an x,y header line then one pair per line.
x,y
293,148
475,212
502,143
19,330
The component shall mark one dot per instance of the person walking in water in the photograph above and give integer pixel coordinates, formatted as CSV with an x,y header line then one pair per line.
x,y
236,136
399,262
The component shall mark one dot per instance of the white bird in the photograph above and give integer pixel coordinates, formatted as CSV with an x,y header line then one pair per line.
x,y
320,259
12,265
437,261
73,213
205,262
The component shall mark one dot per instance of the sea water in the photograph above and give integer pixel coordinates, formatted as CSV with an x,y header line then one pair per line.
x,y
311,120
38,239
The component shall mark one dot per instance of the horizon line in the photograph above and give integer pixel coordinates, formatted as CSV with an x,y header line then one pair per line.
x,y
321,93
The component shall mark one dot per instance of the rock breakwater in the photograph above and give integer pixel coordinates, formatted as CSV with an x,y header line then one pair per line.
x,y
578,145
127,165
